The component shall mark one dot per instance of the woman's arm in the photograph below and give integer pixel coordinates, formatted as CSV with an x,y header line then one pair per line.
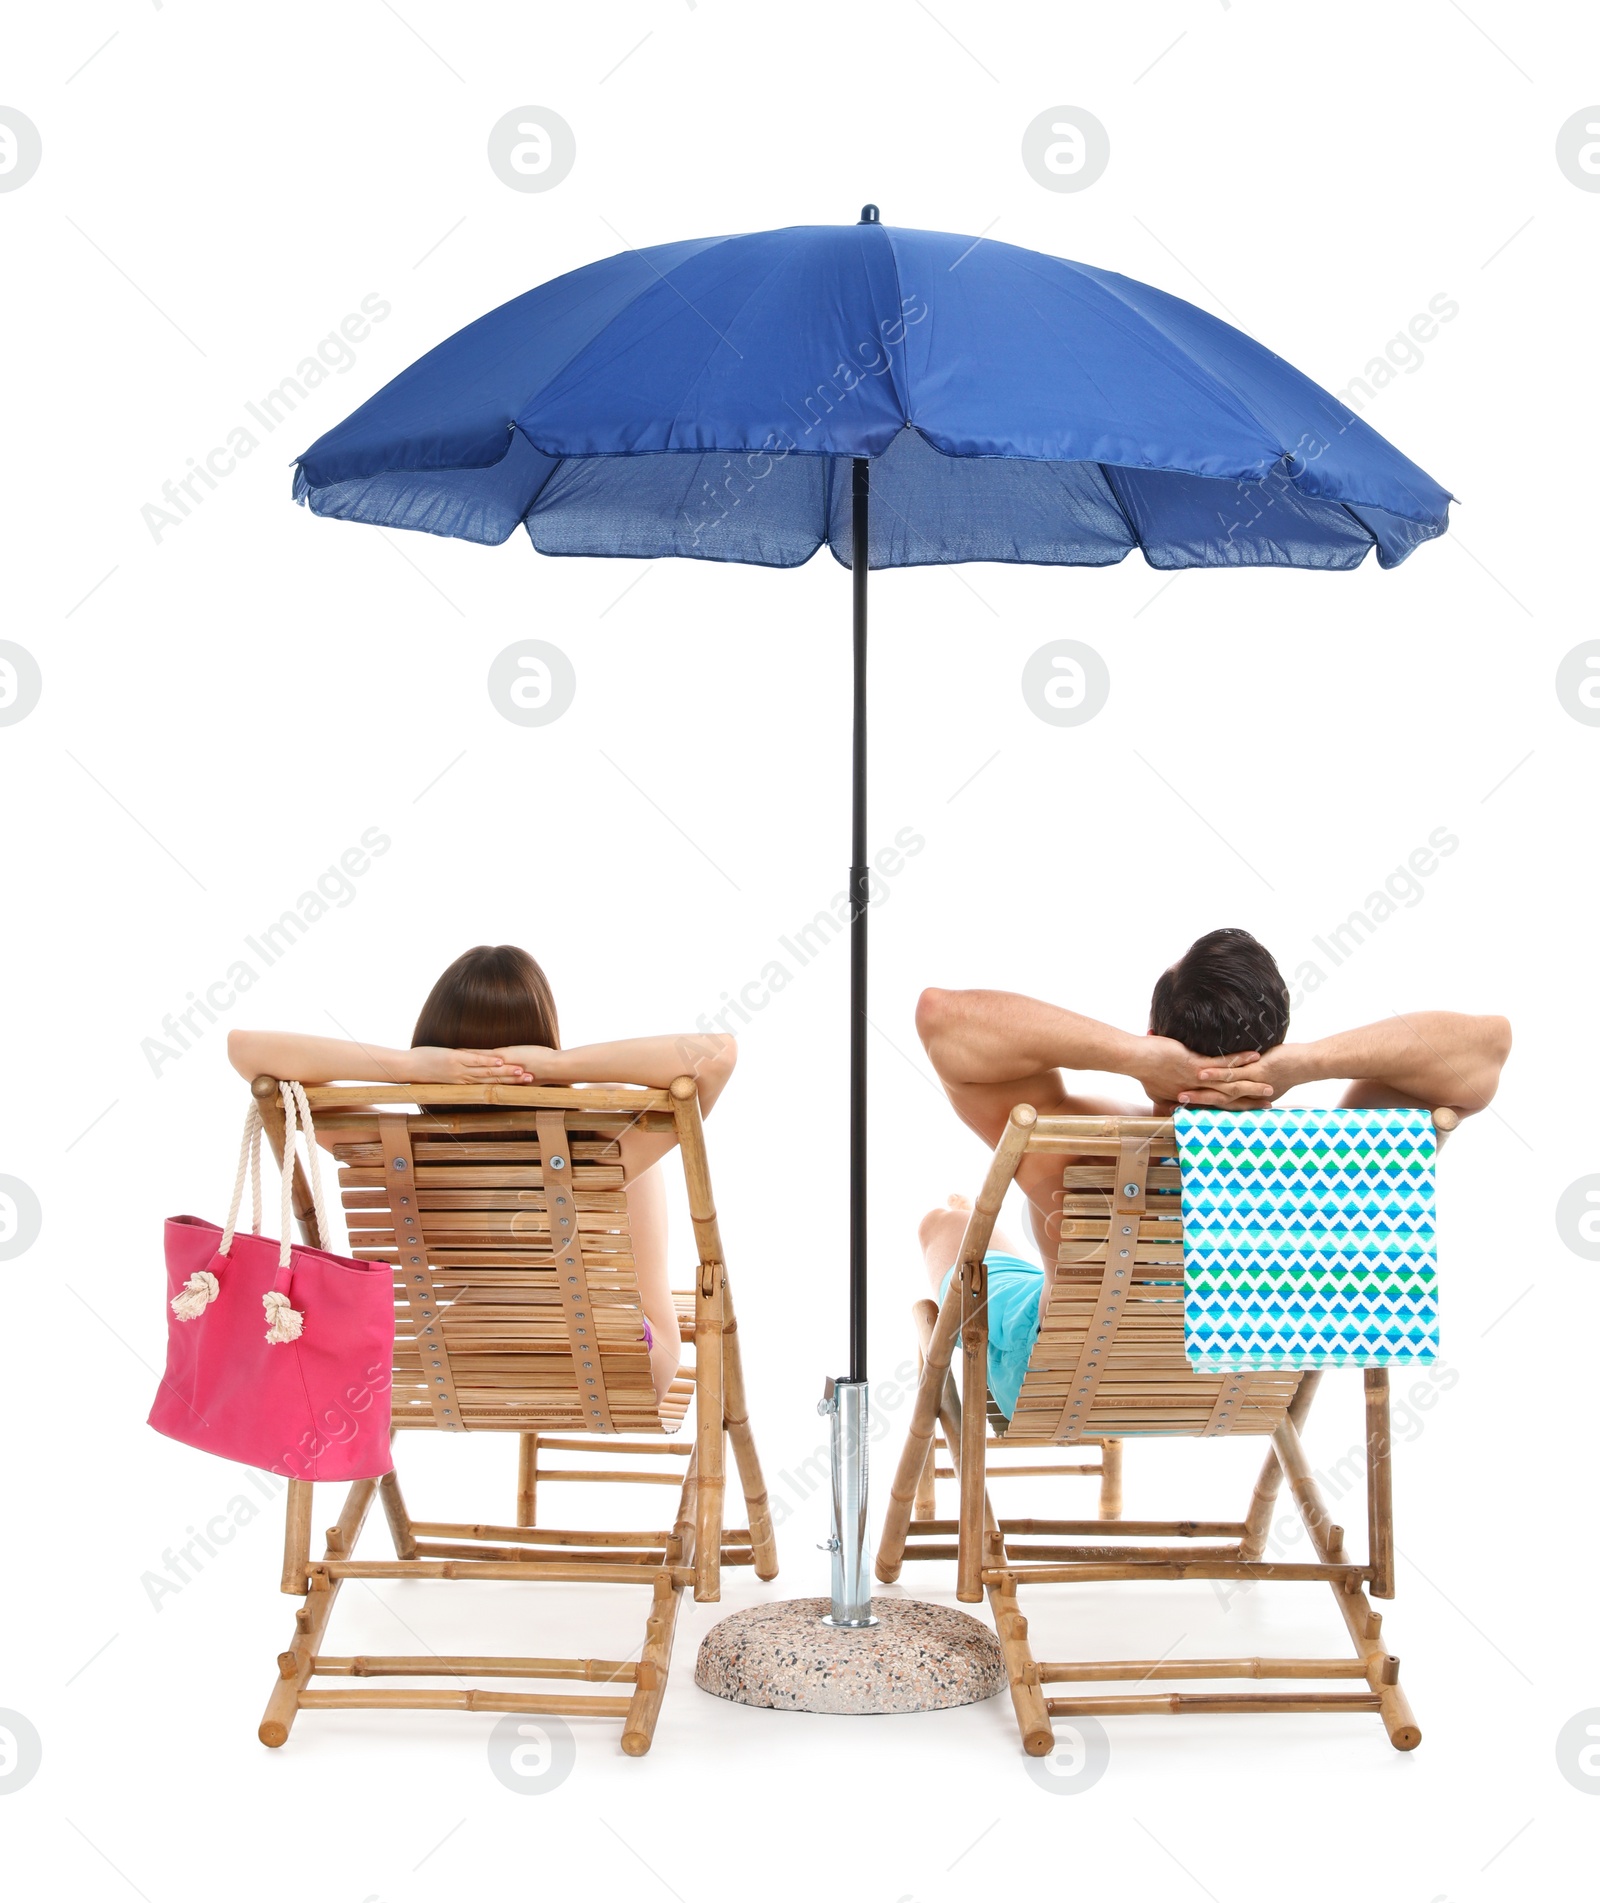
x,y
706,1056
1439,1059
655,1061
328,1060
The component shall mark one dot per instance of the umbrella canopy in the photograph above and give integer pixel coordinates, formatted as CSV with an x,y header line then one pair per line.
x,y
702,398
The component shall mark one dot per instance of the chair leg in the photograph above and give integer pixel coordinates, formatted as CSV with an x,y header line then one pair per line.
x,y
527,1479
938,1327
710,1434
1022,1671
950,1419
655,1659
1111,1480
1364,1625
925,1502
639,1727
1253,1542
296,1536
311,1618
736,1417
684,1525
1380,1485
1382,1669
973,1278
394,1511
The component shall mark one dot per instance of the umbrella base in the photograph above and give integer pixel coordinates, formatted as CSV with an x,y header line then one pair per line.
x,y
783,1657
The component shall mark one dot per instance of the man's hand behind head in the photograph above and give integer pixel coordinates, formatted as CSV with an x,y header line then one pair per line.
x,y
1250,1082
1173,1074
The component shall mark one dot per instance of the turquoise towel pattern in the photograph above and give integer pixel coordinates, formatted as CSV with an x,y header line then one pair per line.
x,y
1308,1238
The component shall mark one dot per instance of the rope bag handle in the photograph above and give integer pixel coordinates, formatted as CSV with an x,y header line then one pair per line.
x,y
284,1322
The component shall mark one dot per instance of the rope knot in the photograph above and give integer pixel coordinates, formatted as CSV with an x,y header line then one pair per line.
x,y
191,1299
283,1322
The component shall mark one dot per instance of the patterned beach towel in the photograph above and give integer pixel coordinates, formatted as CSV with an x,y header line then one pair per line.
x,y
1308,1238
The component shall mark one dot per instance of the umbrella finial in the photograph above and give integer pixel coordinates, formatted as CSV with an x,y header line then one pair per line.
x,y
869,215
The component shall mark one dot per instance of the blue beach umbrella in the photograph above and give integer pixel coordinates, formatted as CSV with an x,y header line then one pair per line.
x,y
904,397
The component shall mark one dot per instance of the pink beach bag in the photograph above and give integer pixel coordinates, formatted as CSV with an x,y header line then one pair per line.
x,y
278,1355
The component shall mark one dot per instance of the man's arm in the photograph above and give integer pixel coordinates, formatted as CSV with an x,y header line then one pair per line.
x,y
1436,1059
994,1049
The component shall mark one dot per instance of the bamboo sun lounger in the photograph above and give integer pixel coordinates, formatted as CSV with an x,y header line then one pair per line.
x,y
510,1321
1109,1363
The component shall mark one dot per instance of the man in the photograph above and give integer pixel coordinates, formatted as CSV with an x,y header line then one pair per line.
x,y
1219,1020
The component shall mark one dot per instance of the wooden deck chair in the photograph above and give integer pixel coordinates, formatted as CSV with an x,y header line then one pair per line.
x,y
500,1329
1109,1362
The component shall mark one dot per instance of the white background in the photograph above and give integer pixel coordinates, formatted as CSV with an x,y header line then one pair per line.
x,y
225,710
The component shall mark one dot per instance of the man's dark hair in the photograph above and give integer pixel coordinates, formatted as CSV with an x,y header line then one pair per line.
x,y
1224,994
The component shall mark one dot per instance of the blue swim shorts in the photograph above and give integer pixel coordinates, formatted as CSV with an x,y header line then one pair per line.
x,y
1015,1288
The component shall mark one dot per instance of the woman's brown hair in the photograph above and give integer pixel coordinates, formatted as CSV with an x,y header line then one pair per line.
x,y
491,995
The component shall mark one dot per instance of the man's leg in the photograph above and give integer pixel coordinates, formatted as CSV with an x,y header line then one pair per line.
x,y
940,1233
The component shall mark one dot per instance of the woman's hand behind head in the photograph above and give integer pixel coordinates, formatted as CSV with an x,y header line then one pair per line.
x,y
533,1063
435,1065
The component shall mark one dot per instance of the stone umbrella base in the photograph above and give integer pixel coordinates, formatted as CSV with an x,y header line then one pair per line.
x,y
918,1657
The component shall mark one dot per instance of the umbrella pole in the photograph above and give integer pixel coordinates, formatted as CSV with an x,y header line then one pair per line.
x,y
860,894
845,1402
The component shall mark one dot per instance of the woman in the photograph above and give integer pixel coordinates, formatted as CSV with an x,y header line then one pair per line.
x,y
491,1019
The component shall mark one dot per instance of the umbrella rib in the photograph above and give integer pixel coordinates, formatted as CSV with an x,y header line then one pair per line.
x,y
1122,510
527,403
903,394
1144,328
705,366
669,284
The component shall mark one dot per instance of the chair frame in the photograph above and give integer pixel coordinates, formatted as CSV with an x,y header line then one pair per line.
x,y
996,1556
689,1553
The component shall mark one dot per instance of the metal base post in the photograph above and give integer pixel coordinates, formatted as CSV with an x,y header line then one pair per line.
x,y
845,1404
